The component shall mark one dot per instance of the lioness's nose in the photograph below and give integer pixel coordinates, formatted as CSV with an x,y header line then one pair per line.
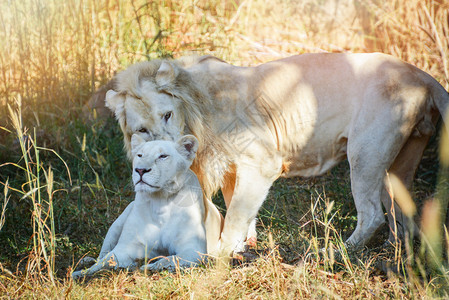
x,y
142,171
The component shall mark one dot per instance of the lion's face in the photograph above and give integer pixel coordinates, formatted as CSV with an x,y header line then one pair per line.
x,y
160,165
150,99
152,115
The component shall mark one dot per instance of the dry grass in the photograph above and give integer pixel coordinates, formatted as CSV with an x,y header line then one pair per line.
x,y
54,54
267,278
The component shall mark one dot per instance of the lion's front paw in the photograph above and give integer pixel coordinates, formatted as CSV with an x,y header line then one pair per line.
x,y
229,247
240,247
251,242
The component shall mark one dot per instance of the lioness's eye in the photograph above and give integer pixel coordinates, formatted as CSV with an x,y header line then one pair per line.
x,y
163,156
167,116
143,130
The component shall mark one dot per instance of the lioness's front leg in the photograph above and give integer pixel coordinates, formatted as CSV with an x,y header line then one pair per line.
x,y
111,238
250,192
114,232
109,261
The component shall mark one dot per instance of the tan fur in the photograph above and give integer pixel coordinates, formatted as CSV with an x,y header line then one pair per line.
x,y
298,116
228,187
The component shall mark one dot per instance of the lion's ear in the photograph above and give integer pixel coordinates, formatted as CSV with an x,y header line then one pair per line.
x,y
166,73
114,100
187,146
136,141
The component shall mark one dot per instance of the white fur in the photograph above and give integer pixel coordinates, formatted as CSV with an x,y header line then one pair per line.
x,y
167,216
298,116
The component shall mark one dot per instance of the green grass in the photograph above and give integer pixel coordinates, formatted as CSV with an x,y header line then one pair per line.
x,y
55,54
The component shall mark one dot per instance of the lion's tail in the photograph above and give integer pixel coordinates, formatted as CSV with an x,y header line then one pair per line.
x,y
440,99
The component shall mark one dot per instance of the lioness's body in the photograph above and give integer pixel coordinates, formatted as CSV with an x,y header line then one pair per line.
x,y
297,116
166,219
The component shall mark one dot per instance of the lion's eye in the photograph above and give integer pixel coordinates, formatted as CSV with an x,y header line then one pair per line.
x,y
163,156
143,130
167,116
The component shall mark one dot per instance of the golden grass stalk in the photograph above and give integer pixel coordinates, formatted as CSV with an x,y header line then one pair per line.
x,y
5,203
401,195
431,233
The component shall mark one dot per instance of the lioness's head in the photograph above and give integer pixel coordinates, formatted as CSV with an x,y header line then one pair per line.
x,y
161,165
156,100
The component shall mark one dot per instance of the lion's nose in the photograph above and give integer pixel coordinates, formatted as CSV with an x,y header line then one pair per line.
x,y
142,171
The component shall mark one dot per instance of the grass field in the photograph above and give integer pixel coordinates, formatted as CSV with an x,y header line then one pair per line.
x,y
65,178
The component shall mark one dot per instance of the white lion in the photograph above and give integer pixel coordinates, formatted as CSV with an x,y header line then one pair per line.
x,y
167,216
297,116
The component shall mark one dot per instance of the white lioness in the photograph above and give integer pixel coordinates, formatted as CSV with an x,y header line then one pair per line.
x,y
167,216
297,116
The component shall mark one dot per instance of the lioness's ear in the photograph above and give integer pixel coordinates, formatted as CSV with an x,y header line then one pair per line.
x,y
166,74
136,141
114,100
187,146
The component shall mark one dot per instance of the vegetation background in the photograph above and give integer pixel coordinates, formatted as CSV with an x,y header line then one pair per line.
x,y
65,178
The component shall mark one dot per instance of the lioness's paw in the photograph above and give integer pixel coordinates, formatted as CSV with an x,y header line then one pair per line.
x,y
85,262
160,265
79,274
170,263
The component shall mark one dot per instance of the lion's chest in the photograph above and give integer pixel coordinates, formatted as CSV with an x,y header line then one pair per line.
x,y
160,212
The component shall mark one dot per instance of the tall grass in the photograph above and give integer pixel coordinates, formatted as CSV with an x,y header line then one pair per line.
x,y
415,31
39,190
42,255
59,52
55,54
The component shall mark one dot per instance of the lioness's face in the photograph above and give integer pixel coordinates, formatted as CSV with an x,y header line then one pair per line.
x,y
153,116
158,165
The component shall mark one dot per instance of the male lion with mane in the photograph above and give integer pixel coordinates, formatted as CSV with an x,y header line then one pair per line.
x,y
297,116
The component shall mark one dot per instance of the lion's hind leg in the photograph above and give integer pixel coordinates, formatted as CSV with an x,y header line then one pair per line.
x,y
370,155
404,167
388,135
